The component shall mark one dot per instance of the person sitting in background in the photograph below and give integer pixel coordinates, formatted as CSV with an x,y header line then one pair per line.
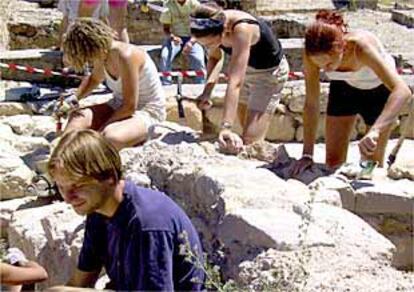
x,y
20,271
257,71
138,99
176,24
118,10
364,81
72,9
139,235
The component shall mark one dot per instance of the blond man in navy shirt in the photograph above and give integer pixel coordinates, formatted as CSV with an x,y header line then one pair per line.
x,y
133,232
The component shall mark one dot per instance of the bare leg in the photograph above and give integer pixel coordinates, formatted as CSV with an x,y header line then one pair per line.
x,y
126,133
242,113
117,20
92,117
256,126
337,135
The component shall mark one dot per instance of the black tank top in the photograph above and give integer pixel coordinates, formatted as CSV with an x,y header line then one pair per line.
x,y
267,52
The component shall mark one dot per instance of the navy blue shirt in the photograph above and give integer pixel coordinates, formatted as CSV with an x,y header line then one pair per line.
x,y
139,246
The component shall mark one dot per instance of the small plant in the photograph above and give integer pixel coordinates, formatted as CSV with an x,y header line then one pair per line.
x,y
212,272
290,276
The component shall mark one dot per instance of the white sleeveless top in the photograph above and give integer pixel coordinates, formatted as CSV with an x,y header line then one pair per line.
x,y
364,78
151,94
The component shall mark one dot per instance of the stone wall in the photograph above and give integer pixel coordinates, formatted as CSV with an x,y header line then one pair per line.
x,y
5,11
33,27
144,28
274,7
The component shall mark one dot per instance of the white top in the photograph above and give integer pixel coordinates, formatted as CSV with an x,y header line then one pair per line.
x,y
151,94
364,78
70,9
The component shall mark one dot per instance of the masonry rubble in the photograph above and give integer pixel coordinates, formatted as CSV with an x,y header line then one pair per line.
x,y
265,232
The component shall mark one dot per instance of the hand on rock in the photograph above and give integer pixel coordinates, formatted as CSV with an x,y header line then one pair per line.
x,y
230,142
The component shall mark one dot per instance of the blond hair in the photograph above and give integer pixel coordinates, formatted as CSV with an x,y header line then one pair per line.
x,y
86,40
85,155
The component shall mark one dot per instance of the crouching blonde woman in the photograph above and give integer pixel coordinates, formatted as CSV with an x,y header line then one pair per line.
x,y
138,100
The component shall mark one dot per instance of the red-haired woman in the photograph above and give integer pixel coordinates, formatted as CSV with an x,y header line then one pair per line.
x,y
364,81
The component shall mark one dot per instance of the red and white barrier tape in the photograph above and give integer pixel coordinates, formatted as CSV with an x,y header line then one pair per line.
x,y
30,69
183,73
405,71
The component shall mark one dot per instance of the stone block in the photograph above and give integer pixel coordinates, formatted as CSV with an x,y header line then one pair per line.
x,y
386,197
32,27
403,167
404,17
271,7
14,108
52,235
404,259
43,59
332,183
9,207
282,128
193,116
15,176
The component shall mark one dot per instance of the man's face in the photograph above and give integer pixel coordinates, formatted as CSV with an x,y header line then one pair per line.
x,y
85,197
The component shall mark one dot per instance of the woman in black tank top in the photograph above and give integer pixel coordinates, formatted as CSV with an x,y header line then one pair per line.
x,y
256,72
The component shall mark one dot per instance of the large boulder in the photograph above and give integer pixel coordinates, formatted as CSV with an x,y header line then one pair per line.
x,y
23,144
14,108
52,235
358,261
231,202
8,207
32,27
28,125
388,206
15,176
404,163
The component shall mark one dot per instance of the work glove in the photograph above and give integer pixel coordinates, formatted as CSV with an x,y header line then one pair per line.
x,y
15,256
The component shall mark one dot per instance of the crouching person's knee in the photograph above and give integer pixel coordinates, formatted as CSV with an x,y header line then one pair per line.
x,y
113,138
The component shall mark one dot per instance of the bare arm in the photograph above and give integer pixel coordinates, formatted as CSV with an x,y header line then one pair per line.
x,y
130,66
83,279
62,31
400,93
236,73
311,108
90,82
31,272
214,66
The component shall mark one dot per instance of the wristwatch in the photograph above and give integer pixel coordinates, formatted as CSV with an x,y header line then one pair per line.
x,y
226,126
308,156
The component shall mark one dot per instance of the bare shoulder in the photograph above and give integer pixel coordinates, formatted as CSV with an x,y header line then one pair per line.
x,y
129,53
235,15
363,40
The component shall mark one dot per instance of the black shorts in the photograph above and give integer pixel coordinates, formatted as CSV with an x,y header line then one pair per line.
x,y
346,100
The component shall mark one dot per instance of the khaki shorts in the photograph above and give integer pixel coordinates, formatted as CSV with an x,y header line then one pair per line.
x,y
149,114
262,88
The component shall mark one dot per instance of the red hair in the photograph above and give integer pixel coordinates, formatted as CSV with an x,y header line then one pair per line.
x,y
325,33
